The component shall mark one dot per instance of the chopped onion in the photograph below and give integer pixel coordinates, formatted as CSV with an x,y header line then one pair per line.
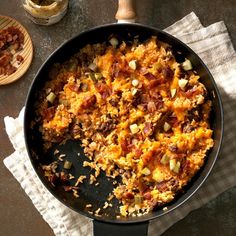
x,y
98,76
173,92
114,42
134,91
133,64
134,128
166,126
177,166
165,159
51,97
92,66
67,165
182,83
187,65
158,175
146,171
135,82
172,164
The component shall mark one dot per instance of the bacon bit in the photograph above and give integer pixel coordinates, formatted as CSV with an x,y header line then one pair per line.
x,y
139,136
172,120
9,69
52,179
119,69
114,102
187,128
185,168
5,58
154,83
115,69
19,58
167,73
58,86
103,89
107,126
12,39
147,195
173,148
148,129
162,186
143,70
192,92
151,107
128,195
150,76
64,177
74,87
48,113
89,101
137,98
159,104
125,145
138,152
147,157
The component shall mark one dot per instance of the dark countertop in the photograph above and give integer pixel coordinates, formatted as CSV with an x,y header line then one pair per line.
x,y
17,213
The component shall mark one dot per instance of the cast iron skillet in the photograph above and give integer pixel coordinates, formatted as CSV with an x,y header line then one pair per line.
x,y
108,224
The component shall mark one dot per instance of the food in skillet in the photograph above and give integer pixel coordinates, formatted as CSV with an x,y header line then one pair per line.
x,y
141,116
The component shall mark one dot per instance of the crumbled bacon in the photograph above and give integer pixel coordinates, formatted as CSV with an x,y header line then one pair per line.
x,y
126,145
143,70
52,179
103,89
107,126
11,41
173,148
147,195
89,101
192,92
74,87
167,185
48,113
172,120
148,129
151,107
167,73
150,76
19,58
137,152
128,195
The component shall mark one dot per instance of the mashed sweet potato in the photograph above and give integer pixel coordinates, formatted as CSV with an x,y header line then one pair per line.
x,y
139,113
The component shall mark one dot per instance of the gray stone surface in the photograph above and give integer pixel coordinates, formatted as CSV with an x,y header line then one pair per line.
x,y
17,213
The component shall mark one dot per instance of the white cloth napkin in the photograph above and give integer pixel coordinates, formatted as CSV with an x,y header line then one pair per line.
x,y
213,45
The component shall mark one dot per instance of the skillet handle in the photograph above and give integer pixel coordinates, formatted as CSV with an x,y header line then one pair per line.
x,y
108,229
125,12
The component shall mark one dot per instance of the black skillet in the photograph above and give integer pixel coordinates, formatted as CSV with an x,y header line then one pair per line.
x,y
108,224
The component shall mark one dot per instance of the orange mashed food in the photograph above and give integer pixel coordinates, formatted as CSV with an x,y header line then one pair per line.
x,y
139,114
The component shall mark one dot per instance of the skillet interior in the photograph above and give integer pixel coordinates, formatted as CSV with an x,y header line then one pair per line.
x,y
97,195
